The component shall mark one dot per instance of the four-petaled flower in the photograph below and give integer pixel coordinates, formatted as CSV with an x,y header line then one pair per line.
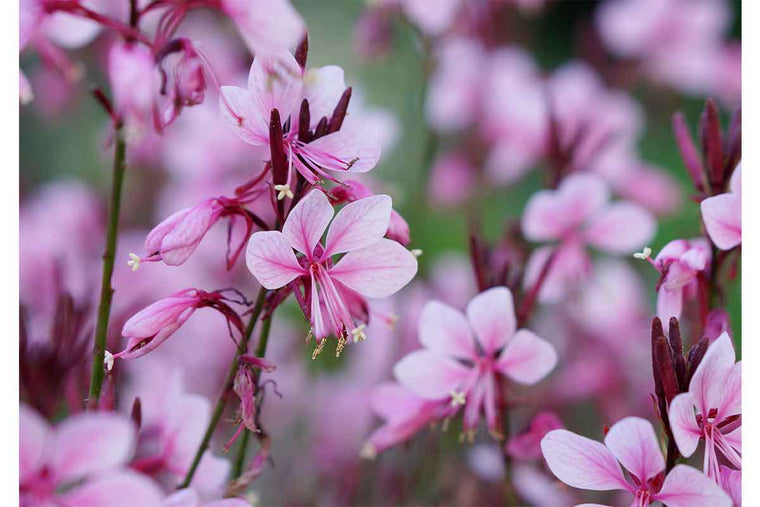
x,y
680,263
711,409
469,371
587,464
371,265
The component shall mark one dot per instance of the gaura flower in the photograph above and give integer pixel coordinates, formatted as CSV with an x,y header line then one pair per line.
x,y
711,409
526,445
583,463
302,99
265,25
722,214
577,214
82,461
468,371
371,266
135,83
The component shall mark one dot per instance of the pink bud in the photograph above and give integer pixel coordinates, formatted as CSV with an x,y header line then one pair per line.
x,y
190,81
134,81
717,322
398,229
245,387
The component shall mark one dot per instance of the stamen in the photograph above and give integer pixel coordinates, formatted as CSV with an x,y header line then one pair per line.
x,y
457,398
368,451
358,333
308,336
134,262
284,191
108,360
341,345
319,349
416,252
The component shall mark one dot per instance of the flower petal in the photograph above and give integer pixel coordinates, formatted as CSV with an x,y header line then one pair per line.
x,y
685,486
633,442
669,303
683,422
444,329
90,442
343,151
708,383
732,393
323,87
271,260
722,215
527,358
492,317
392,401
240,110
581,462
358,225
34,435
731,482
430,375
307,222
377,271
122,489
621,228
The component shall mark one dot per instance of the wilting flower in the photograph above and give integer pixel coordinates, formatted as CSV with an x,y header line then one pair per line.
x,y
467,371
586,464
280,90
82,461
371,266
722,214
153,325
578,214
711,409
680,263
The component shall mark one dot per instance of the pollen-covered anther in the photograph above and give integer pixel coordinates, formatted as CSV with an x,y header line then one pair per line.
x,y
644,254
319,349
134,262
368,451
457,398
308,336
358,333
496,434
108,360
283,192
468,435
417,252
342,341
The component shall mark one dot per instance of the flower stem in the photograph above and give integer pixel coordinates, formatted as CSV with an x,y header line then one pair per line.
x,y
106,291
221,401
261,350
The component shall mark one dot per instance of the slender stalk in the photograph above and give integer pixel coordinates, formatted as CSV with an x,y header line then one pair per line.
x,y
221,401
106,291
261,350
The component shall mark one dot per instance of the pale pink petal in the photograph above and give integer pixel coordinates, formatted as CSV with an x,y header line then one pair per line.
x,y
633,442
430,375
121,489
445,330
570,267
34,436
622,227
669,303
432,16
685,486
69,31
683,422
722,215
708,383
732,393
393,401
323,88
581,462
492,317
271,260
266,25
182,240
307,222
475,400
527,358
731,482
90,442
358,225
240,110
377,271
275,82
343,151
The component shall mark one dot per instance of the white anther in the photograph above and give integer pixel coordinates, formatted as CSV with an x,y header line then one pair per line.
x,y
284,191
416,252
108,360
368,451
644,254
134,262
457,398
358,333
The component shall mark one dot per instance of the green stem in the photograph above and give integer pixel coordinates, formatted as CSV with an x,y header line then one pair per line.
x,y
221,401
106,291
261,350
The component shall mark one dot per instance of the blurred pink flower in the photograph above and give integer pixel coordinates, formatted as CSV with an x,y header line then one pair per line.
x,y
711,409
586,464
80,462
266,26
135,84
526,445
577,214
372,266
731,482
189,498
722,214
438,373
452,180
680,263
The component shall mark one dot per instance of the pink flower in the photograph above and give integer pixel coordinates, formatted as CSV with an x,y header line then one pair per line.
x,y
711,409
680,263
586,464
722,214
527,445
134,82
731,482
266,25
467,371
371,266
277,83
188,497
80,462
577,214
452,180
